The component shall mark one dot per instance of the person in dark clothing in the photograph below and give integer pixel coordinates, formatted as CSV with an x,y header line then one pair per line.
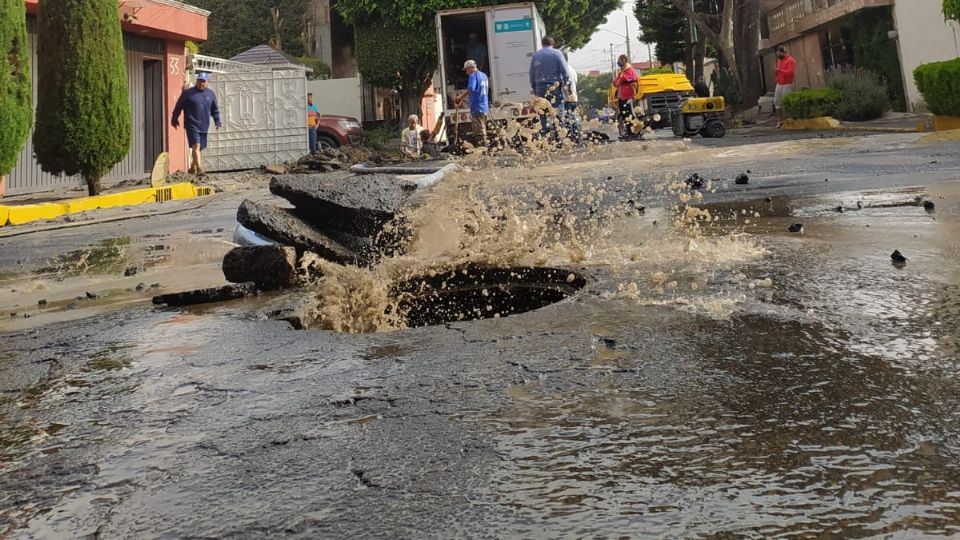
x,y
198,105
548,73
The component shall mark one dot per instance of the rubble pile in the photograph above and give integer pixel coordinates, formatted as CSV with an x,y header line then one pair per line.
x,y
338,159
348,219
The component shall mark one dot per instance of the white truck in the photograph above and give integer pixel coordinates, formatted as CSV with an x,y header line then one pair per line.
x,y
510,33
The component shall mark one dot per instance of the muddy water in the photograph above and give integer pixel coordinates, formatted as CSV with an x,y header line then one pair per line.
x,y
720,377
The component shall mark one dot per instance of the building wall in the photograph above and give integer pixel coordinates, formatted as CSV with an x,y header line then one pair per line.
x,y
924,37
337,96
806,51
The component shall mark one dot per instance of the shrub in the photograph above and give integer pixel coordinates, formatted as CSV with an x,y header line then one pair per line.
x,y
938,84
864,92
83,110
812,103
320,69
951,9
15,89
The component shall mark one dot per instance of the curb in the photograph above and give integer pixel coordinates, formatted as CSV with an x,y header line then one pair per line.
x,y
828,123
19,215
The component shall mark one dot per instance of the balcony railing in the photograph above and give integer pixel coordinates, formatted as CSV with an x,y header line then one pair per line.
x,y
790,12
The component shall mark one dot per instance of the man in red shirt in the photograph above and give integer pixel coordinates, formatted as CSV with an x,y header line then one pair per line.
x,y
626,85
786,70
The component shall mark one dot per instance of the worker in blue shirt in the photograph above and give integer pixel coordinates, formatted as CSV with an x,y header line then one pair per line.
x,y
478,88
548,73
313,122
198,105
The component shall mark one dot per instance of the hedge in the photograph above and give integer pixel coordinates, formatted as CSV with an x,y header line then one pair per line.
x,y
812,103
15,88
865,94
84,124
938,82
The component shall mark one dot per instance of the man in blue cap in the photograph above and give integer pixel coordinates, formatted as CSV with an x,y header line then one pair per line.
x,y
198,105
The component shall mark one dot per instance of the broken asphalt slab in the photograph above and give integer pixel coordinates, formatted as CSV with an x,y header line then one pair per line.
x,y
359,205
285,227
270,267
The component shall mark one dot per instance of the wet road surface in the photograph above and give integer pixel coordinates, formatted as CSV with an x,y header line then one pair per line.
x,y
806,391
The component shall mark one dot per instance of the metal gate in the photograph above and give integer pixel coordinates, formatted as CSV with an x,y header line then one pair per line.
x,y
264,117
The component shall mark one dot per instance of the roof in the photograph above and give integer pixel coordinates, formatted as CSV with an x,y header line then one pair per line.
x,y
265,55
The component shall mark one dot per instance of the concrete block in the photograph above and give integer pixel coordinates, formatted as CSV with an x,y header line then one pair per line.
x,y
269,267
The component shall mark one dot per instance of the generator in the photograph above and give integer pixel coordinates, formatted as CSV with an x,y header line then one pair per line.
x,y
702,116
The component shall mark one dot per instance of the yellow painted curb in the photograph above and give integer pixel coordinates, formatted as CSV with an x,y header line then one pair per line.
x,y
18,215
812,124
946,123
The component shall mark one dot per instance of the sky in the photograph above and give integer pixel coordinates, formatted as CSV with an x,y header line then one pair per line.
x,y
596,54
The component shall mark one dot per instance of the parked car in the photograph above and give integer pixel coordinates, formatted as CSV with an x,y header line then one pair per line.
x,y
335,131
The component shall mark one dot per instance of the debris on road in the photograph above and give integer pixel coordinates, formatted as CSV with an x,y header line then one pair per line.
x,y
796,228
207,296
338,159
898,258
269,267
742,179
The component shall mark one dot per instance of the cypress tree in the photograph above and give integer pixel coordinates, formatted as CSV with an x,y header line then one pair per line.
x,y
83,109
15,90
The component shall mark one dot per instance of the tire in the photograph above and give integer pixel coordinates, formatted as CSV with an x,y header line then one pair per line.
x,y
325,141
714,129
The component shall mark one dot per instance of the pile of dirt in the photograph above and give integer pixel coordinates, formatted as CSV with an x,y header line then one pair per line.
x,y
338,159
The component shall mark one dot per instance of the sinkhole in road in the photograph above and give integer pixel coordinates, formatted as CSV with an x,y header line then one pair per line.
x,y
478,292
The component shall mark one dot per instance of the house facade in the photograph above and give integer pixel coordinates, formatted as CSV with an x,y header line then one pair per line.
x,y
155,33
890,37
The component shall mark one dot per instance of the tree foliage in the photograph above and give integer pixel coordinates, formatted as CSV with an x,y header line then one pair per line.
x,y
238,25
396,41
951,9
15,90
664,26
735,32
83,109
592,90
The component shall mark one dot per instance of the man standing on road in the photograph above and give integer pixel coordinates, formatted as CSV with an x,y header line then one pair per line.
x,y
548,73
198,105
786,70
478,88
626,90
313,120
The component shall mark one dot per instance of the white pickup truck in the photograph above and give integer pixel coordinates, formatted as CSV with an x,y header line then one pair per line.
x,y
510,33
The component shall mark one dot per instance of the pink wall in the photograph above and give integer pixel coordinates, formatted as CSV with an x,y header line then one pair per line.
x,y
174,62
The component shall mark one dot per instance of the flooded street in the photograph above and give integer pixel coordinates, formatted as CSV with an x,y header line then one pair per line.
x,y
716,376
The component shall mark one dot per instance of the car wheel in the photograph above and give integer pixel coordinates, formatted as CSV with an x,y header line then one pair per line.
x,y
325,142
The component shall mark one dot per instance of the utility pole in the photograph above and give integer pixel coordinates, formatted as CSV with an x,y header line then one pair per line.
x,y
613,63
626,22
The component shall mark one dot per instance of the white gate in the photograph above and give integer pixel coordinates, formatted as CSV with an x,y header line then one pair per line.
x,y
264,117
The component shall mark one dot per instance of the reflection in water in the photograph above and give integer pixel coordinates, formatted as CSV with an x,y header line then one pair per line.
x,y
759,430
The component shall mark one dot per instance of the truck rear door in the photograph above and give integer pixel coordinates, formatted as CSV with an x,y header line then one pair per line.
x,y
512,37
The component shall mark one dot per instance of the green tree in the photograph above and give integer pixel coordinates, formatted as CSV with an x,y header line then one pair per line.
x,y
396,43
83,108
238,25
951,9
15,90
665,26
735,32
593,90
